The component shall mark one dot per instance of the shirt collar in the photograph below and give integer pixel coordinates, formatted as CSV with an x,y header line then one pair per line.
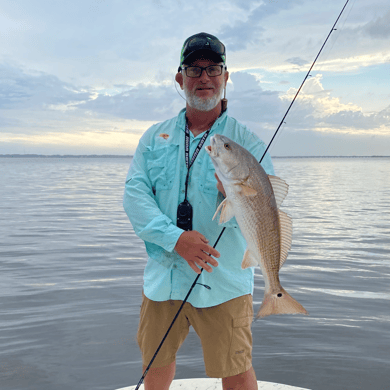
x,y
181,120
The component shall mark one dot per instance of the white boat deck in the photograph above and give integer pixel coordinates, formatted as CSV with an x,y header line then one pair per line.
x,y
216,384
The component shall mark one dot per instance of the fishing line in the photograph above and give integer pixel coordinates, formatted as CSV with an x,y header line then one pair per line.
x,y
174,83
220,235
327,52
304,80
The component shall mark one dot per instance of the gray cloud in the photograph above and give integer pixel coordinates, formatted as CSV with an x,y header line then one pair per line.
x,y
249,101
38,98
264,109
242,33
358,120
379,28
21,90
297,61
366,34
142,102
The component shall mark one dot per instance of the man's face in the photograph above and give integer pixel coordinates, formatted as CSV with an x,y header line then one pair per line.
x,y
204,92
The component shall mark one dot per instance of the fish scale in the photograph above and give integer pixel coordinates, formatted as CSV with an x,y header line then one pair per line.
x,y
263,241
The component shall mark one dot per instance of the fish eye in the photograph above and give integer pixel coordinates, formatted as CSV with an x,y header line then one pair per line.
x,y
227,146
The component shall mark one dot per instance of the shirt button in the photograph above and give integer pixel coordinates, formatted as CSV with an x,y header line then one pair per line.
x,y
174,266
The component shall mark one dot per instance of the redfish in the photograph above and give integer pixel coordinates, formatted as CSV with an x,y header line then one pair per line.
x,y
254,198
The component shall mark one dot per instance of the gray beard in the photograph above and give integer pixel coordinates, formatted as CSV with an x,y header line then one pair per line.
x,y
202,104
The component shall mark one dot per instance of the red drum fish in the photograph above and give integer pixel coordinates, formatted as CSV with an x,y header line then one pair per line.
x,y
254,198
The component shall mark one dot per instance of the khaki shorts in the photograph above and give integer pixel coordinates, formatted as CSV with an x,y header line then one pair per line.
x,y
224,331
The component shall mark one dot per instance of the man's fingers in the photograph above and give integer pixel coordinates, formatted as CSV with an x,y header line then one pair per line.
x,y
208,259
193,247
194,267
211,251
203,238
203,264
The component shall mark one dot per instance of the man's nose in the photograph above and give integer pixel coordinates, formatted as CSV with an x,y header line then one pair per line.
x,y
204,76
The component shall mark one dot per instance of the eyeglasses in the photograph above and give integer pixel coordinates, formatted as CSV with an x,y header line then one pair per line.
x,y
196,71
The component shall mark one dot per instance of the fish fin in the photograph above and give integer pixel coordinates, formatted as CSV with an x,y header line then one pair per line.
x,y
285,223
246,190
280,188
248,260
220,199
227,212
219,204
280,302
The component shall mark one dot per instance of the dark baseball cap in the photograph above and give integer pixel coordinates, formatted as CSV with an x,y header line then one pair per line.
x,y
210,46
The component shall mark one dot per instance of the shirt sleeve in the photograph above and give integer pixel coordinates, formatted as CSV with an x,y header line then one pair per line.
x,y
148,221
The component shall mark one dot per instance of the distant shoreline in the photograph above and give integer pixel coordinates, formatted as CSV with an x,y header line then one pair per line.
x,y
65,156
130,156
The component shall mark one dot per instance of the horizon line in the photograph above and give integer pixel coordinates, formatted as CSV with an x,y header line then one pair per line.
x,y
26,155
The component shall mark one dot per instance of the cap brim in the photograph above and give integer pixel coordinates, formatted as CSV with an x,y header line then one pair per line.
x,y
202,54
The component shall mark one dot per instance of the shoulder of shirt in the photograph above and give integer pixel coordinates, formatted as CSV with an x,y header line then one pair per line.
x,y
163,130
168,124
242,134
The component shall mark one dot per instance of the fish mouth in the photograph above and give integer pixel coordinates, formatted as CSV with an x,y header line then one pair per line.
x,y
210,148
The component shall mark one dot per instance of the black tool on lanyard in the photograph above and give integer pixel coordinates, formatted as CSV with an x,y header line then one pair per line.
x,y
184,209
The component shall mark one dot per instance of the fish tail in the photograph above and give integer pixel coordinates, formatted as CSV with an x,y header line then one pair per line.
x,y
280,302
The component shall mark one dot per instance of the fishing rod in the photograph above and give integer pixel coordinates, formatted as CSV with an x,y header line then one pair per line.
x,y
220,235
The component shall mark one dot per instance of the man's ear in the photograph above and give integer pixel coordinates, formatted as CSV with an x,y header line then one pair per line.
x,y
179,79
226,78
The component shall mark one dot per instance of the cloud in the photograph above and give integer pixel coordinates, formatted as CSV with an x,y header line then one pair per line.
x,y
314,110
141,102
40,110
249,31
19,89
297,61
379,28
250,102
41,96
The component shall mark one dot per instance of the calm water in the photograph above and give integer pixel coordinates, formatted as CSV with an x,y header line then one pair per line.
x,y
71,278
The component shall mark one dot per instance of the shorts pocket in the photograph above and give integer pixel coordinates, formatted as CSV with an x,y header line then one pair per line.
x,y
241,345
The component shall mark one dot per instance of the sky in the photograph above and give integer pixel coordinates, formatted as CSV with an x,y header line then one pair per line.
x,y
91,76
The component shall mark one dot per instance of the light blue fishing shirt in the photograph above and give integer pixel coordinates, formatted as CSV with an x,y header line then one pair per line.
x,y
155,185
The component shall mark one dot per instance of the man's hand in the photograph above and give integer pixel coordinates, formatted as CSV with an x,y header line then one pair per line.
x,y
193,247
220,186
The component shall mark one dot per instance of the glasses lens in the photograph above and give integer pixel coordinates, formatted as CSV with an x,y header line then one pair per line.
x,y
193,71
214,70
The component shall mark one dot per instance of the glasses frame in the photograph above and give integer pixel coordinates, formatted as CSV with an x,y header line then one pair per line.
x,y
202,68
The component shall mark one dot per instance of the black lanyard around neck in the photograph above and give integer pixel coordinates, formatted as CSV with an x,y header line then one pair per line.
x,y
187,152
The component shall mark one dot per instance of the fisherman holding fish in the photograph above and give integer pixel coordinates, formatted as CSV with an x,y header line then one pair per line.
x,y
171,195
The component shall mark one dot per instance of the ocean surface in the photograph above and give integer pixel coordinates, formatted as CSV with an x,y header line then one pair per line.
x,y
71,278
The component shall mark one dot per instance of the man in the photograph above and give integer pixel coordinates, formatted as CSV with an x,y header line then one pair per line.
x,y
170,170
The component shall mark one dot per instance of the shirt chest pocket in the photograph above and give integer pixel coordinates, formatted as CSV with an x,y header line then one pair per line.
x,y
208,184
161,165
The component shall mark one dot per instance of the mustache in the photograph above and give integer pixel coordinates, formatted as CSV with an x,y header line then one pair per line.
x,y
204,87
